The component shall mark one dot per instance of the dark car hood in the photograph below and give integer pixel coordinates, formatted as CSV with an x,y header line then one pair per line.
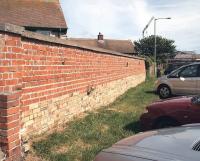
x,y
184,100
168,144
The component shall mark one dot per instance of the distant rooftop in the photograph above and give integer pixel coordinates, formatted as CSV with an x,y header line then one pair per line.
x,y
122,46
187,55
32,13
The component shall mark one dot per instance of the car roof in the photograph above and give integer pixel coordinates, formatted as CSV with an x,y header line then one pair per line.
x,y
195,63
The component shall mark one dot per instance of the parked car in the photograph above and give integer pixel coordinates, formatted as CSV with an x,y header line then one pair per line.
x,y
171,112
169,69
183,81
174,144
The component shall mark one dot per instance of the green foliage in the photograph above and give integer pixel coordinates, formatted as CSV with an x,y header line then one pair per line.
x,y
165,47
148,62
84,138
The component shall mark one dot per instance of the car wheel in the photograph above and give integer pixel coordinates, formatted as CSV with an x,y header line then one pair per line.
x,y
164,91
165,123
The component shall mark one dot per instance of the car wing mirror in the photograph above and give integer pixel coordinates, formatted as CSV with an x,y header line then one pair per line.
x,y
182,78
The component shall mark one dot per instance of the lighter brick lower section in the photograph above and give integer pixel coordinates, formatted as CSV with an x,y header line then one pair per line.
x,y
48,114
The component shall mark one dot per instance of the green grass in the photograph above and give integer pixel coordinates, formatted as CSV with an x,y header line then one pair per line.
x,y
84,138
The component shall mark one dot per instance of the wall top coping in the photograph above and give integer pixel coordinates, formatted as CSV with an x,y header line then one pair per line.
x,y
10,28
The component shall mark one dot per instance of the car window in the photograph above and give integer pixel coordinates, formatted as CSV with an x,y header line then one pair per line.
x,y
174,74
198,73
190,71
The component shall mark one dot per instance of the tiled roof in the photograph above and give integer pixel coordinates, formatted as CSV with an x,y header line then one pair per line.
x,y
122,46
187,55
32,13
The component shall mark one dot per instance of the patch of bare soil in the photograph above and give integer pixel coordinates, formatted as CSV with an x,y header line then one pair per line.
x,y
60,149
104,128
81,144
33,157
115,110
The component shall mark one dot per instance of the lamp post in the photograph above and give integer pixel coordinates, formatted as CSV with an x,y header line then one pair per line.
x,y
155,47
152,18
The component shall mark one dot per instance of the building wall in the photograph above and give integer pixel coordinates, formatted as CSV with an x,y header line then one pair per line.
x,y
44,84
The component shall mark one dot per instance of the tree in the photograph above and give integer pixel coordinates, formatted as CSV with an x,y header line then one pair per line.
x,y
165,48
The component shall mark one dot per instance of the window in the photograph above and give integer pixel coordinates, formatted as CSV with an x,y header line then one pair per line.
x,y
190,71
174,74
198,72
44,32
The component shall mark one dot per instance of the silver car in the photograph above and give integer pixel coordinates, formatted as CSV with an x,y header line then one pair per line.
x,y
183,81
174,144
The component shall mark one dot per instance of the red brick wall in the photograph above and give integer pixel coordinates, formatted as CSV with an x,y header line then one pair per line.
x,y
50,71
10,125
39,71
10,94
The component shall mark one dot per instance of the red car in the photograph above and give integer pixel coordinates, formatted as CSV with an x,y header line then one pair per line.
x,y
171,112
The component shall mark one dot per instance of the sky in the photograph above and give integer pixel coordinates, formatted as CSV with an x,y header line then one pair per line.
x,y
125,19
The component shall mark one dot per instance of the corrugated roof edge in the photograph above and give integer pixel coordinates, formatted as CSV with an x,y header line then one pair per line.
x,y
10,28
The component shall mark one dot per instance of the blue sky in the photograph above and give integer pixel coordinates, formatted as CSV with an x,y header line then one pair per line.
x,y
125,19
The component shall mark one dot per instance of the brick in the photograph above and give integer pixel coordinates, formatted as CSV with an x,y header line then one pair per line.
x,y
9,132
14,153
13,145
11,82
9,125
16,50
10,111
10,97
11,43
10,118
2,82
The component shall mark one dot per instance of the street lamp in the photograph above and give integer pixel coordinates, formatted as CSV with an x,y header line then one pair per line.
x,y
155,50
152,18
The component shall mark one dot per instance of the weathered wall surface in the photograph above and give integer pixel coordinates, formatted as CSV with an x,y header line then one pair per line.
x,y
51,80
60,82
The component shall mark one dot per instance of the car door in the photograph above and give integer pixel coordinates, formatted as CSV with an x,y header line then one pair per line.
x,y
194,111
173,80
186,80
198,82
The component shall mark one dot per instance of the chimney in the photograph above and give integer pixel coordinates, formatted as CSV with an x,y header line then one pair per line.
x,y
100,36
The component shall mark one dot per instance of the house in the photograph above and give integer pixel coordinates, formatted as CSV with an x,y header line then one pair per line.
x,y
187,56
122,46
42,16
182,58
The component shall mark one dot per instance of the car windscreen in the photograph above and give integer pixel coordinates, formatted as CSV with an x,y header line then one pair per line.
x,y
174,74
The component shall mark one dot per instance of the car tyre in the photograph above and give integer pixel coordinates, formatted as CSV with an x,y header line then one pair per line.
x,y
165,123
164,92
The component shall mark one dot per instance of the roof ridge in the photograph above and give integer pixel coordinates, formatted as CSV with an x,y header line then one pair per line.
x,y
97,39
54,1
